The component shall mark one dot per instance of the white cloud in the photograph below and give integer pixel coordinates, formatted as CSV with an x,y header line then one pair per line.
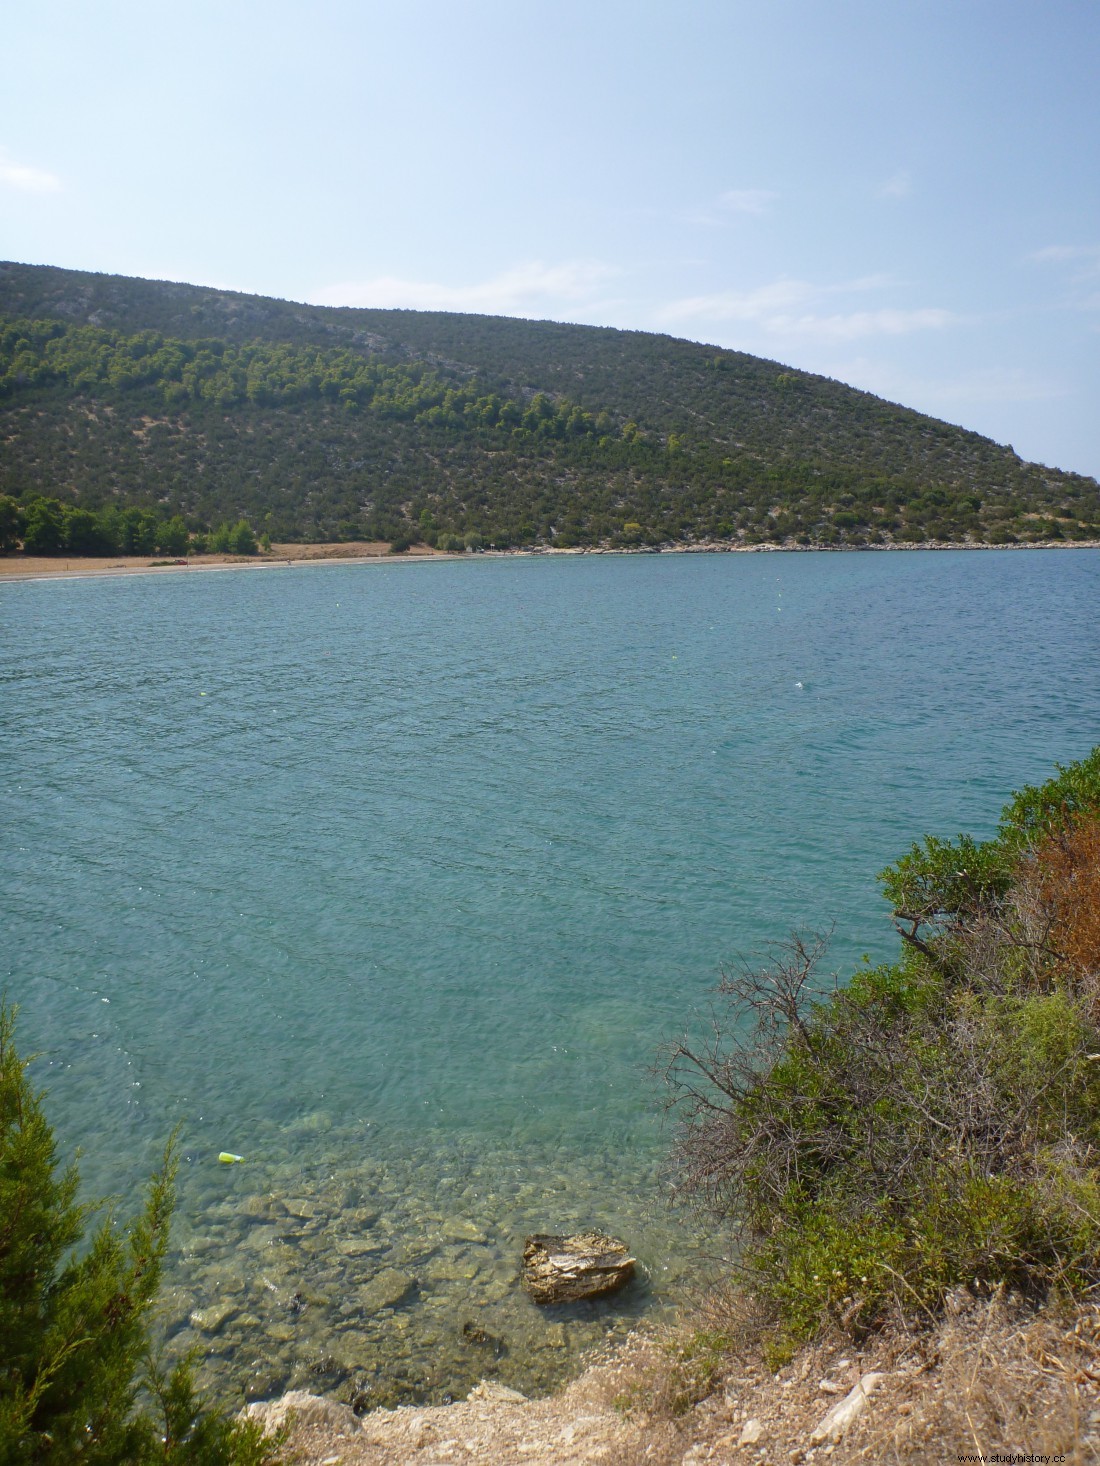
x,y
716,215
797,308
997,384
899,186
1060,253
1083,261
27,180
1081,272
748,200
523,289
981,385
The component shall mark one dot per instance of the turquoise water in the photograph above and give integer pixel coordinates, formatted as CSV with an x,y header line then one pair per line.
x,y
392,878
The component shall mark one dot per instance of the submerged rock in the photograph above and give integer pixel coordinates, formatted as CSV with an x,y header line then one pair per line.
x,y
385,1290
565,1269
210,1320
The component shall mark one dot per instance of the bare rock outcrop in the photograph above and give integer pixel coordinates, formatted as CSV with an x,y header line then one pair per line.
x,y
565,1269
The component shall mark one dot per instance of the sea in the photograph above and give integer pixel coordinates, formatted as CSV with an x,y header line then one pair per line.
x,y
397,880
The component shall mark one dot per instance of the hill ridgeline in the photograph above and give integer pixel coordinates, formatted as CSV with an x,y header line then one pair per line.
x,y
134,401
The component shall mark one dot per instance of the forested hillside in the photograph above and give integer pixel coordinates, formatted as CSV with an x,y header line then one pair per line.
x,y
312,423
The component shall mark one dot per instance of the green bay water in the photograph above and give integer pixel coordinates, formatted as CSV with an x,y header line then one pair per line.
x,y
393,878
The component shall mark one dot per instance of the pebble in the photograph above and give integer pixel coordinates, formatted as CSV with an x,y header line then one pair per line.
x,y
751,1432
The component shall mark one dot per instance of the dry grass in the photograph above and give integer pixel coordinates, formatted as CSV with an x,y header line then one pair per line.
x,y
997,1378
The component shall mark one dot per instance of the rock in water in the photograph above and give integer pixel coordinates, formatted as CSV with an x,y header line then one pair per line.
x,y
563,1269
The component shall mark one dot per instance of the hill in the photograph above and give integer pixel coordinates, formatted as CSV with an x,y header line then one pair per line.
x,y
316,423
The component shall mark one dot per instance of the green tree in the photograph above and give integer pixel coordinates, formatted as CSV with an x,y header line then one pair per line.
x,y
174,538
11,523
44,527
242,540
139,531
83,535
74,1313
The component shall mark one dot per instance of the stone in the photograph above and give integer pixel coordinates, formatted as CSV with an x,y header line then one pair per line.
x,y
452,1268
352,1348
457,1229
210,1320
840,1417
385,1290
260,1237
262,1383
297,1206
584,1265
305,1409
490,1392
357,1247
751,1432
480,1338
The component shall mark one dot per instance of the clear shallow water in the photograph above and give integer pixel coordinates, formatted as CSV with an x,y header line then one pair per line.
x,y
392,878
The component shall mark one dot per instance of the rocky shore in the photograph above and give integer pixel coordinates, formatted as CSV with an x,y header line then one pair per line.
x,y
994,1378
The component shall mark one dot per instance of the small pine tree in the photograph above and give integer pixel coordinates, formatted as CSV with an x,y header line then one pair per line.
x,y
74,1349
242,540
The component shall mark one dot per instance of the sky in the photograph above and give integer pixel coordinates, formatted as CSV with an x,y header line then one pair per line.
x,y
900,194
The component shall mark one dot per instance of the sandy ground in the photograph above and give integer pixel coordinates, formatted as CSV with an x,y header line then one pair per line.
x,y
40,567
994,1380
362,552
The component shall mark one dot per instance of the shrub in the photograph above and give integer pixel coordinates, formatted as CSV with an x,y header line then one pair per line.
x,y
75,1313
936,1122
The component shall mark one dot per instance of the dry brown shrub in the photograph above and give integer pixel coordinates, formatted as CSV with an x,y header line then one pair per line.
x,y
1068,869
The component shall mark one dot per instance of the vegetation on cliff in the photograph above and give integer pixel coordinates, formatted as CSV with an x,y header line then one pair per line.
x,y
935,1123
313,423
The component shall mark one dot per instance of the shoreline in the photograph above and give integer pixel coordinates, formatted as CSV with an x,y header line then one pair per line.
x,y
32,568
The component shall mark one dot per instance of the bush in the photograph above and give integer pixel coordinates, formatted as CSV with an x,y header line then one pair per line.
x,y
75,1313
936,1122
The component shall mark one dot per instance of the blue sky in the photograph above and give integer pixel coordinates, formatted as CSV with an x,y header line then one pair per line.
x,y
902,195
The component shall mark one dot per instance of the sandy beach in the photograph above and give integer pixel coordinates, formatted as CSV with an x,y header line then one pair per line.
x,y
364,552
41,567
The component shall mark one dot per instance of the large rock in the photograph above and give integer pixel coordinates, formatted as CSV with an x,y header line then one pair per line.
x,y
304,1410
564,1269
